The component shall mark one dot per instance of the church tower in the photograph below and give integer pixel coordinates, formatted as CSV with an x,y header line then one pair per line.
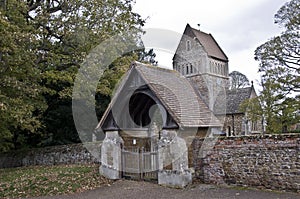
x,y
200,59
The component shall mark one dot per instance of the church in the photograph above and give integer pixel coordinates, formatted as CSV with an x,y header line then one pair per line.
x,y
155,113
201,60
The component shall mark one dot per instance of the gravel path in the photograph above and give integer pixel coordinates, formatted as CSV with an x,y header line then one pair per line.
x,y
124,189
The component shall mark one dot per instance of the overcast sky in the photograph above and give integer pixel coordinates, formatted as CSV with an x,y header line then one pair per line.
x,y
239,26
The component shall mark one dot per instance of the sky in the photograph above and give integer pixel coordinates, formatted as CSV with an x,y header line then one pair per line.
x,y
239,27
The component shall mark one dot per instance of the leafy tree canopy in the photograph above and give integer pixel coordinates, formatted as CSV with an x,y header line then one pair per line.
x,y
279,57
279,68
45,41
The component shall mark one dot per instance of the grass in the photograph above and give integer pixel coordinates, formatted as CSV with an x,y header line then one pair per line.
x,y
49,180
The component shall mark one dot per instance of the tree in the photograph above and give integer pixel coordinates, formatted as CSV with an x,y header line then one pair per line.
x,y
279,68
253,108
45,42
21,103
68,30
289,113
279,57
270,105
148,57
238,80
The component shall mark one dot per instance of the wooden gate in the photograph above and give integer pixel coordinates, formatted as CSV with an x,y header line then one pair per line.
x,y
140,163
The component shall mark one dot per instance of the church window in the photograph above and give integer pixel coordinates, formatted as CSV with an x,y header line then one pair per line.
x,y
191,68
187,69
228,130
254,126
188,45
222,70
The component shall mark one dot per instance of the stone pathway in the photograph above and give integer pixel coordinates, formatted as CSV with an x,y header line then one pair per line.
x,y
124,189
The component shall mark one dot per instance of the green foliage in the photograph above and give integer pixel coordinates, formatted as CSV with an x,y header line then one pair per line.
x,y
279,57
44,44
148,57
253,108
20,93
109,81
279,67
69,30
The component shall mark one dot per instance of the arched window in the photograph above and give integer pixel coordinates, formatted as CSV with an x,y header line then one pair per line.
x,y
191,68
228,130
254,126
188,45
187,69
222,70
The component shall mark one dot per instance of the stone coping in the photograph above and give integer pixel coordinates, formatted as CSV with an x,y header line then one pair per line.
x,y
256,136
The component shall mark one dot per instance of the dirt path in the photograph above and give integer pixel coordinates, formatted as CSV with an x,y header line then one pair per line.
x,y
124,189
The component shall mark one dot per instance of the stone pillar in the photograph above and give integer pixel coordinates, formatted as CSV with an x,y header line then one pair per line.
x,y
154,134
173,160
111,155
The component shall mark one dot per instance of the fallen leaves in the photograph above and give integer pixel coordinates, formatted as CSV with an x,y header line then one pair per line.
x,y
49,180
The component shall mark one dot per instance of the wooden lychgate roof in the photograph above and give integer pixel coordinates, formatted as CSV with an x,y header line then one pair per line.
x,y
175,94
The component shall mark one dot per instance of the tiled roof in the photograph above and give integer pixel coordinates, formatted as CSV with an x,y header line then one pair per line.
x,y
209,43
178,96
235,98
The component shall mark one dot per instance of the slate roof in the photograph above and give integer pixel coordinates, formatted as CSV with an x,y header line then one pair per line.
x,y
209,43
176,94
235,98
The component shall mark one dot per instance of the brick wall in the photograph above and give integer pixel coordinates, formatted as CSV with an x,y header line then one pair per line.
x,y
270,161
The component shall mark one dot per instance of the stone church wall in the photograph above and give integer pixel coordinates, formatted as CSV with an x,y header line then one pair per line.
x,y
270,161
237,126
237,120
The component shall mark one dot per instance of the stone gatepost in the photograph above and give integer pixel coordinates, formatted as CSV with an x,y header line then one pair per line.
x,y
111,150
173,160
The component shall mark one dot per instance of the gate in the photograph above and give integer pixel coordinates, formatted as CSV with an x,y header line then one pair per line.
x,y
140,163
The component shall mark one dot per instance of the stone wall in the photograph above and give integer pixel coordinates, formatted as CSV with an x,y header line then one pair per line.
x,y
238,127
235,122
270,161
64,154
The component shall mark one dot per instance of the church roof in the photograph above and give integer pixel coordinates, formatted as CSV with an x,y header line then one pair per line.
x,y
209,43
236,97
176,95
